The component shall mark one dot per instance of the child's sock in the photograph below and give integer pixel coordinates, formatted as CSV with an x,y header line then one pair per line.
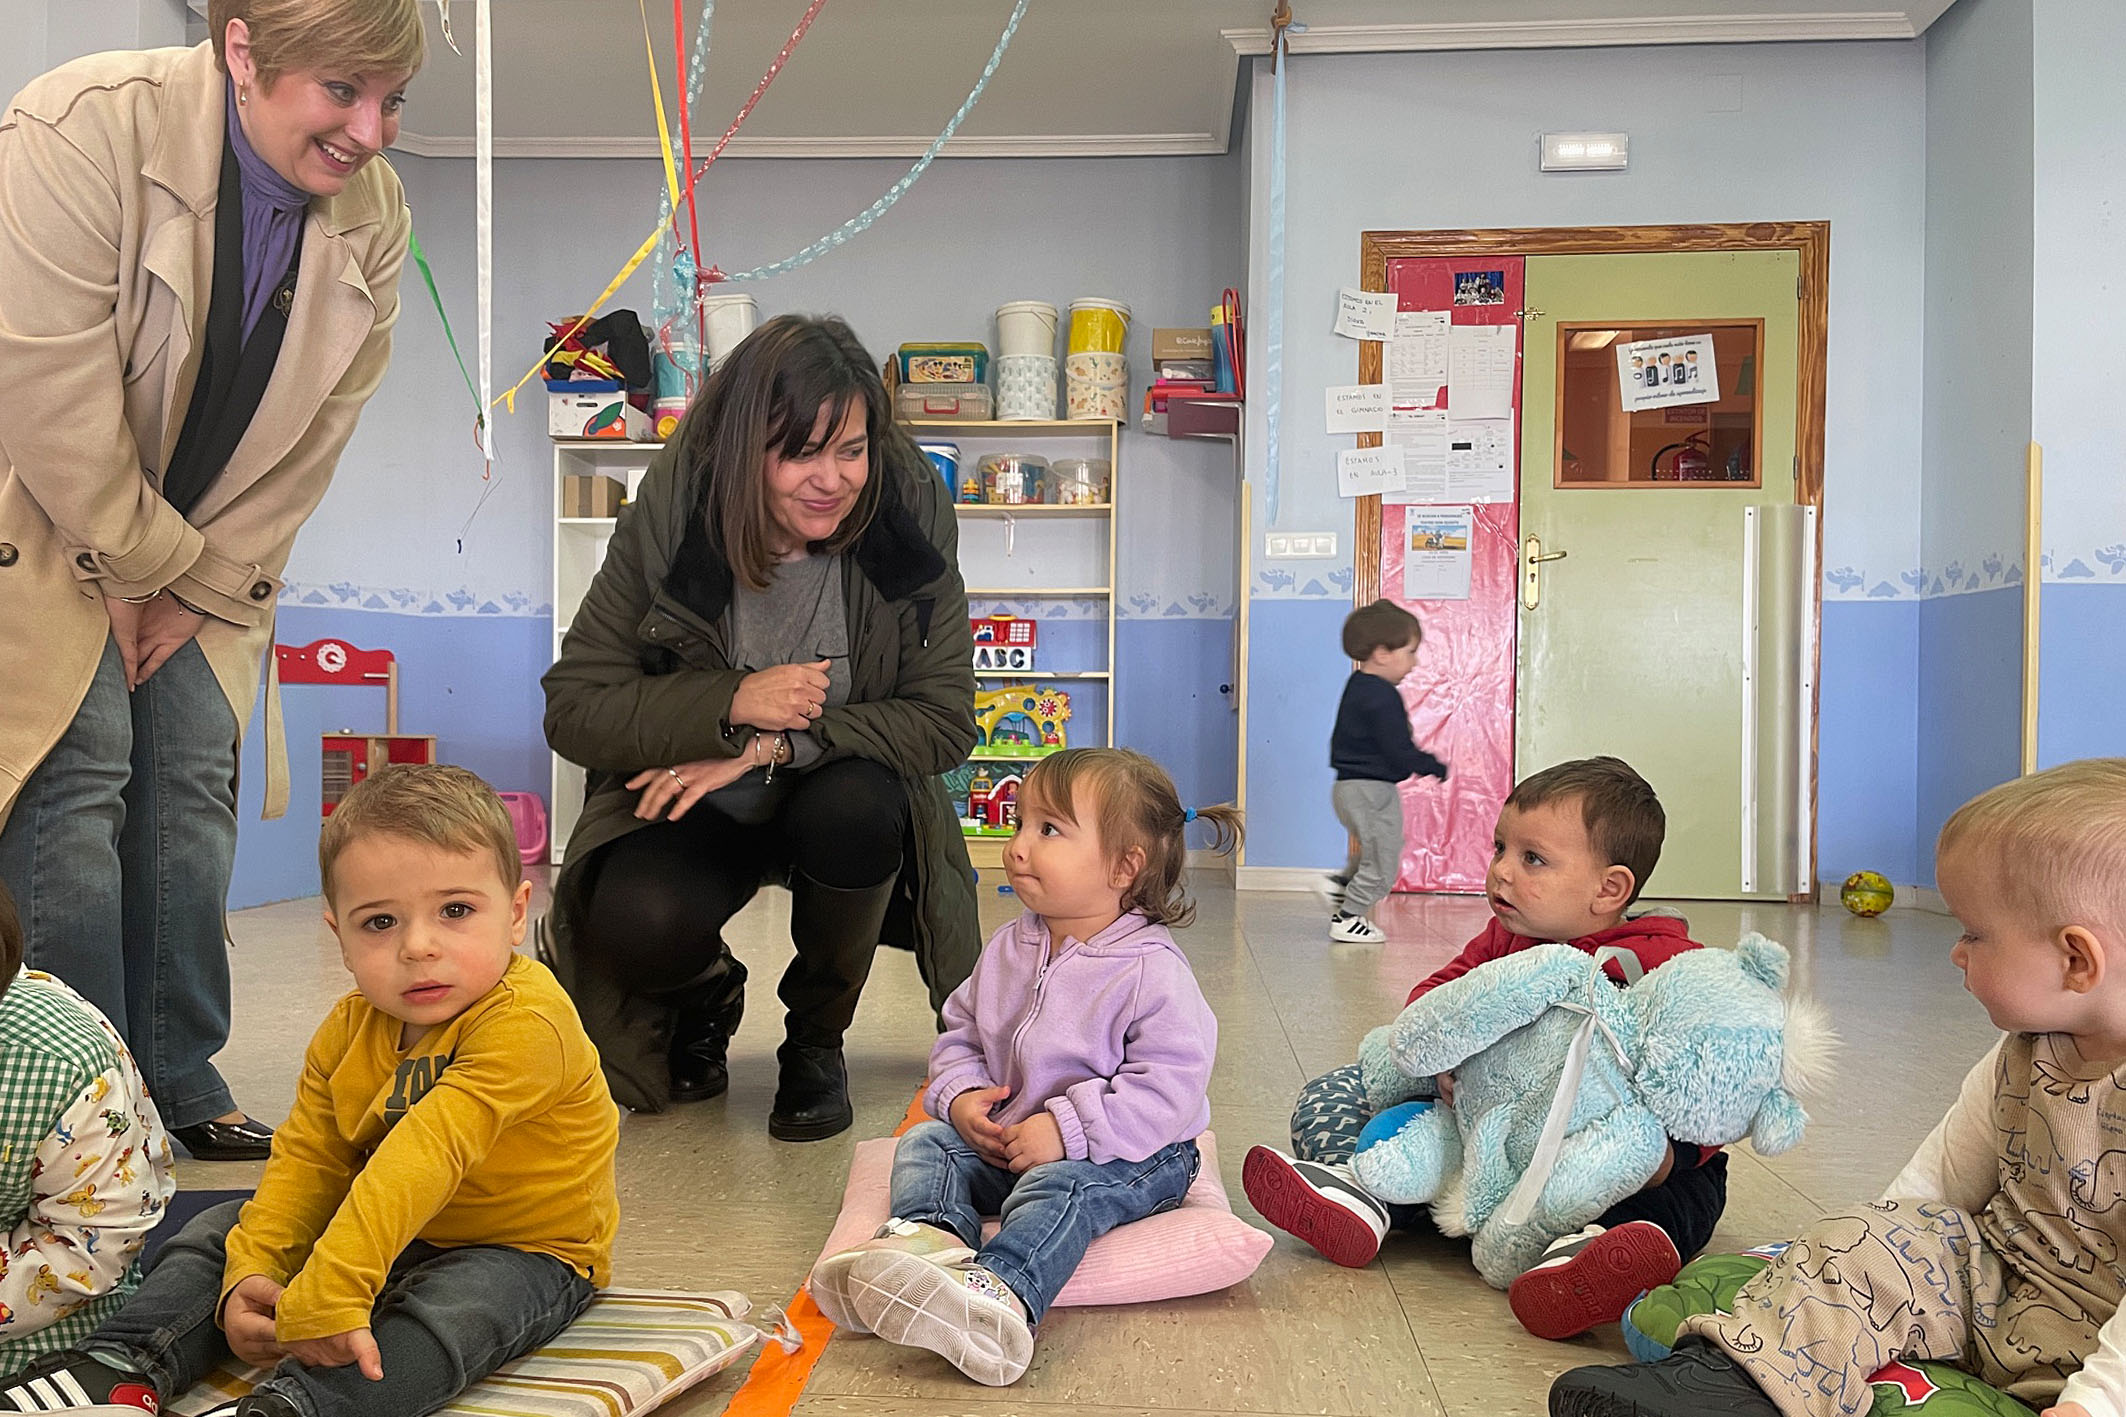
x,y
1587,1280
830,1277
70,1378
1697,1380
959,1311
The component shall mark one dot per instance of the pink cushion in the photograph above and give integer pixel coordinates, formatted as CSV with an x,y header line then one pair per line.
x,y
1194,1249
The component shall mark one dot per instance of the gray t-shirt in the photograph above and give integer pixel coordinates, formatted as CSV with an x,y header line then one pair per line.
x,y
800,618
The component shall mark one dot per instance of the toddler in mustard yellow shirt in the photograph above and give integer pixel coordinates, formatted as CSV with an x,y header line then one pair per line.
x,y
442,1199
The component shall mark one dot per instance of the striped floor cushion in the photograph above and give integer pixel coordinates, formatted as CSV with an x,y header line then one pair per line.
x,y
631,1351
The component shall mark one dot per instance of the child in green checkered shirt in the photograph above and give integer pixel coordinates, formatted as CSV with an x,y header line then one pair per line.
x,y
84,1162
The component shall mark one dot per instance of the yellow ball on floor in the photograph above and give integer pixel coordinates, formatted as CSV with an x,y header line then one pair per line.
x,y
1867,893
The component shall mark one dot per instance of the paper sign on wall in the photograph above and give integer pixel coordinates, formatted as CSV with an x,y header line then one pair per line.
x,y
1365,314
1422,435
1358,408
1480,460
1369,472
1437,553
1655,373
1416,360
1480,371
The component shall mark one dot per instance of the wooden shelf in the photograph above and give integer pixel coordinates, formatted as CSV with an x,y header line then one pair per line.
x,y
1036,674
1033,509
993,428
618,445
587,521
1024,592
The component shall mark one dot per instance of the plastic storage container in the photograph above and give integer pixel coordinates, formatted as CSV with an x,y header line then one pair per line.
x,y
944,364
1096,385
730,318
945,457
1026,327
967,402
1012,479
1026,387
1098,326
665,414
1078,482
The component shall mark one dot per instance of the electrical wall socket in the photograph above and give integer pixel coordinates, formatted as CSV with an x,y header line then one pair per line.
x,y
1299,545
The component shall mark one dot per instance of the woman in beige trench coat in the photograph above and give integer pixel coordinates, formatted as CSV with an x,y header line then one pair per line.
x,y
199,267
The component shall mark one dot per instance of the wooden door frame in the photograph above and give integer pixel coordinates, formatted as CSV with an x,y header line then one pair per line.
x,y
1811,240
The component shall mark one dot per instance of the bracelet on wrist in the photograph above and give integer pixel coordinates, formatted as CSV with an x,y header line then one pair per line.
x,y
138,599
184,604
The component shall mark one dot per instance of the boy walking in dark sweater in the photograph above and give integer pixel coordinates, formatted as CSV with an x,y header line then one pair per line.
x,y
1371,751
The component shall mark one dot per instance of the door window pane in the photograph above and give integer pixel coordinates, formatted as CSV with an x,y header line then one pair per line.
x,y
1602,443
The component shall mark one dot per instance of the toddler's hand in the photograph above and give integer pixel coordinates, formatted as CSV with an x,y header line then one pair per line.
x,y
2065,1409
338,1350
247,1320
1034,1142
1446,1088
969,1115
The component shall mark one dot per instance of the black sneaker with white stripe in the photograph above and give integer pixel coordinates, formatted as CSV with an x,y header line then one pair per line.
x,y
63,1381
1319,1204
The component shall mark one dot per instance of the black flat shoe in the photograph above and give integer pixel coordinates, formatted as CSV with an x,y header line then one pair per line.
x,y
248,1140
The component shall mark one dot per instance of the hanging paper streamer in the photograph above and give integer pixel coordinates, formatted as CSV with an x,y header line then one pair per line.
x,y
862,222
428,277
443,15
484,201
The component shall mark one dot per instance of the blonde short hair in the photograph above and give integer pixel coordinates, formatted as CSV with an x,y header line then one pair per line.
x,y
361,36
2058,840
438,806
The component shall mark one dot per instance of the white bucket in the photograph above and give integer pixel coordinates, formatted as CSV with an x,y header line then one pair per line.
x,y
1026,327
730,318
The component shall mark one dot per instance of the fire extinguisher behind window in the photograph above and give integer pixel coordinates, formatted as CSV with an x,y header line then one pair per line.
x,y
1692,461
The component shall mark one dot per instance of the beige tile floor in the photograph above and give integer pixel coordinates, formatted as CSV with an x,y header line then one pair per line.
x,y
709,1201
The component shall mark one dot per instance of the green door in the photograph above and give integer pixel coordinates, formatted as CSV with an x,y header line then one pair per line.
x,y
1640,622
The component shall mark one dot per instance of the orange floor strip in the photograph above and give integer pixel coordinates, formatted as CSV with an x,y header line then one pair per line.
x,y
778,1379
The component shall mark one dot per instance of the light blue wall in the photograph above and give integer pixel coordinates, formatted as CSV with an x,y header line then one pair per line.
x,y
42,34
2078,368
1776,132
466,606
1978,404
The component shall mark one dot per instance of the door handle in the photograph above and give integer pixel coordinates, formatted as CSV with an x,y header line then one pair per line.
x,y
1532,556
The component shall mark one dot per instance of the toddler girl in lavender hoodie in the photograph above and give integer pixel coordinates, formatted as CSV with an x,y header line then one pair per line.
x,y
1068,1086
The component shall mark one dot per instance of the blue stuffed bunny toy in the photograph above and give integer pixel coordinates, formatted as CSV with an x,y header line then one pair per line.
x,y
1568,1088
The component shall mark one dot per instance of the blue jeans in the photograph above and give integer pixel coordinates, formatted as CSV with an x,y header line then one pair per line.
x,y
1049,1214
445,1320
118,853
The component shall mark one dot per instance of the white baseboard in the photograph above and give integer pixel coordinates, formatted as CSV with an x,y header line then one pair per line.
x,y
1210,863
1279,878
1922,898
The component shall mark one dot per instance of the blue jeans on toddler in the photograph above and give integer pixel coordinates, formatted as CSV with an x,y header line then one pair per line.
x,y
1049,1214
445,1320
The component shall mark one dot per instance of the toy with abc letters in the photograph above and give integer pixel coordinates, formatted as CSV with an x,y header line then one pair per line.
x,y
1867,893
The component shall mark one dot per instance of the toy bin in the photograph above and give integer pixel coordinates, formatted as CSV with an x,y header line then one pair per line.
x,y
1078,482
944,364
730,318
1026,327
1026,387
1098,326
527,815
1012,479
945,457
965,402
1097,385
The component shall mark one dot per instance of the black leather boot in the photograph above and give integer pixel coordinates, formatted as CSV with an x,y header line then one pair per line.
x,y
704,1016
836,933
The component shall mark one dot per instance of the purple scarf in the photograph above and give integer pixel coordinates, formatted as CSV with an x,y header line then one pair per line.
x,y
273,220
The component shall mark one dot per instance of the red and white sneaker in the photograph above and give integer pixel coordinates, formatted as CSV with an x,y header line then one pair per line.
x,y
1586,1280
1320,1204
68,1380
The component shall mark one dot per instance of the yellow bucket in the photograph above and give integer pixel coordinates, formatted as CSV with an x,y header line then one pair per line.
x,y
1098,326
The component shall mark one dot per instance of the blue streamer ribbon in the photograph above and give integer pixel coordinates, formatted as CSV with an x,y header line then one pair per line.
x,y
1273,313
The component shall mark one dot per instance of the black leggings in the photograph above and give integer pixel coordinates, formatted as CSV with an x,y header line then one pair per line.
x,y
660,896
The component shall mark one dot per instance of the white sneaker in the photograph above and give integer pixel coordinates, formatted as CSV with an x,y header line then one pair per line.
x,y
961,1312
830,1277
1354,930
1319,1204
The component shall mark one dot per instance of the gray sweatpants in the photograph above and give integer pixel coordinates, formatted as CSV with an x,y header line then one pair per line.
x,y
1372,812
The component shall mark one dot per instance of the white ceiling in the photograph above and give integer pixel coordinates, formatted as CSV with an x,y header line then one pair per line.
x,y
880,78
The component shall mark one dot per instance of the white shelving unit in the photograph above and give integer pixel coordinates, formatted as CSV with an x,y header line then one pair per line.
x,y
1041,553
579,550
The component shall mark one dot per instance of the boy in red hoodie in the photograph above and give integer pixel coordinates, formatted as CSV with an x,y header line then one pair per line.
x,y
1574,844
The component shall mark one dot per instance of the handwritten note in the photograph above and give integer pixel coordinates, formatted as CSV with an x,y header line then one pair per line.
x,y
1365,314
1357,408
1369,472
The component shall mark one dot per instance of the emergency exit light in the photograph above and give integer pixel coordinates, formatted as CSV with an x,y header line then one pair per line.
x,y
1586,152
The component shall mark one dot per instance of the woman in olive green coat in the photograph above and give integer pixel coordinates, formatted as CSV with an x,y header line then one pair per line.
x,y
765,680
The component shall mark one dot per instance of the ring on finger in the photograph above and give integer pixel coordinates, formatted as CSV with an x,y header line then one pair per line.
x,y
673,773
